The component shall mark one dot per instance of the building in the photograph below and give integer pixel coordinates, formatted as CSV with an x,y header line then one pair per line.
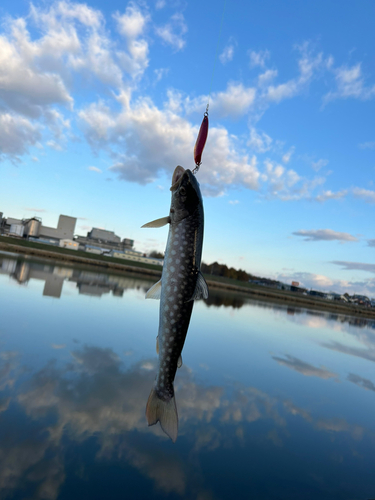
x,y
65,229
33,229
136,256
106,240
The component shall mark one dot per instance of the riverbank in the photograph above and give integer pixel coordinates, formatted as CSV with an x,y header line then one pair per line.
x,y
288,298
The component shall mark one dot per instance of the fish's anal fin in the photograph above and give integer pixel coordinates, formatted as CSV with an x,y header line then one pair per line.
x,y
201,288
157,344
155,291
158,222
179,362
165,412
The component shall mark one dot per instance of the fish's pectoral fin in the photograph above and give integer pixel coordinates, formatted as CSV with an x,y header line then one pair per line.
x,y
179,362
201,288
165,412
155,291
157,344
163,221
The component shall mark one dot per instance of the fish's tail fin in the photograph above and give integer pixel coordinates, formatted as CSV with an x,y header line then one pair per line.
x,y
165,412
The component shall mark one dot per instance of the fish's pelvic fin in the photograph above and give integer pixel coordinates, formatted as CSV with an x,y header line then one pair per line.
x,y
201,288
158,222
164,412
157,344
155,291
179,362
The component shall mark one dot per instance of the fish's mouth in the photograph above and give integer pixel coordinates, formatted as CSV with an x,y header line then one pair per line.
x,y
176,177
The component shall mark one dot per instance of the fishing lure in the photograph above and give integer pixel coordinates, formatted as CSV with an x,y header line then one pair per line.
x,y
200,142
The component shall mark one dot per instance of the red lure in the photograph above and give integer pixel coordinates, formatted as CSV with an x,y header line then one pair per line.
x,y
201,141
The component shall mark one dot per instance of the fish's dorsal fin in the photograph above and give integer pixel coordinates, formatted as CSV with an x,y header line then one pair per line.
x,y
201,288
179,361
155,291
157,344
158,222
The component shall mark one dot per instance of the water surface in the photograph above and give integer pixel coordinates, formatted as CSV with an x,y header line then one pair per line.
x,y
273,402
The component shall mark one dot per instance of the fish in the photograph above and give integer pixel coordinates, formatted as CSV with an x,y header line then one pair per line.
x,y
180,285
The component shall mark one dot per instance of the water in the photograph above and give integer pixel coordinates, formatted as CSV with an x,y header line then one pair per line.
x,y
273,402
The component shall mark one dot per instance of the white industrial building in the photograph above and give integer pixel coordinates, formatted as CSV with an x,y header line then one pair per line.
x,y
33,228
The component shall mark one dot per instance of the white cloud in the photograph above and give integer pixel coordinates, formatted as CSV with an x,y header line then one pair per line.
x,y
233,202
260,142
287,156
160,73
317,165
35,209
131,24
160,4
281,183
267,76
356,266
367,145
308,65
173,32
258,58
144,141
39,56
350,83
235,101
364,194
95,169
17,135
329,195
324,283
54,145
227,54
324,235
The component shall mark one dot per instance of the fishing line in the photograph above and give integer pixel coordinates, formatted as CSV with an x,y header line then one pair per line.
x,y
217,50
203,131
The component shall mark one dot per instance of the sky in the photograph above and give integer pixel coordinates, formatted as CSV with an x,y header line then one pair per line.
x,y
100,101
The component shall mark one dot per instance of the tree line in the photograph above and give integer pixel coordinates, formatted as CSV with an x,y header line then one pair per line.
x,y
226,272
216,269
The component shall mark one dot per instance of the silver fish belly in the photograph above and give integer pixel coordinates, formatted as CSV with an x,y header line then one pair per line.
x,y
181,283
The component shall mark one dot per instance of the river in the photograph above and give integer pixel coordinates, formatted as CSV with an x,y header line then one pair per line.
x,y
274,402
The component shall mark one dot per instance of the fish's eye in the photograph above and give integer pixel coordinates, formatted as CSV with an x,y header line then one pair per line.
x,y
182,191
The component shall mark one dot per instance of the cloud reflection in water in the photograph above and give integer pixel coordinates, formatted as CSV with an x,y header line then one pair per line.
x,y
92,397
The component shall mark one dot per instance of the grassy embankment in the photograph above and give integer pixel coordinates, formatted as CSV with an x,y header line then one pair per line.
x,y
17,245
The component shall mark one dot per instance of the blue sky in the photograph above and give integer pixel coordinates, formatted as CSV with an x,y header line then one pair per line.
x,y
100,101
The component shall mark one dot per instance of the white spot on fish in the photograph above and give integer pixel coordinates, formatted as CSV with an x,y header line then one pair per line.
x,y
173,252
172,268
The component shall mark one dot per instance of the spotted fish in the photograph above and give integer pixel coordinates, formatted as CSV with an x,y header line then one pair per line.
x,y
181,283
